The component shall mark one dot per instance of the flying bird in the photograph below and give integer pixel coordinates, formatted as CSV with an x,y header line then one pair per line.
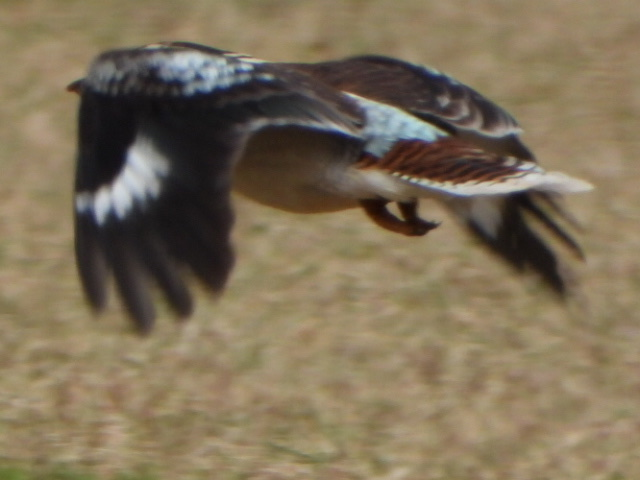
x,y
167,131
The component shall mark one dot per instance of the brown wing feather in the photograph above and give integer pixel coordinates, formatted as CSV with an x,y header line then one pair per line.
x,y
447,160
427,94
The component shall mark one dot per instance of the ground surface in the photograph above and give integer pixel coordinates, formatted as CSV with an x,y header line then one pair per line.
x,y
340,351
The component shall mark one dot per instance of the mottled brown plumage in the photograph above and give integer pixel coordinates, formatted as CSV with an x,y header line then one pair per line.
x,y
448,160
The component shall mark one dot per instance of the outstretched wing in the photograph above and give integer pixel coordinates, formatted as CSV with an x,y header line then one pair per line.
x,y
160,129
429,95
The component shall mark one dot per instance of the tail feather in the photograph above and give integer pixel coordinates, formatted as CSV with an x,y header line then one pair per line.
x,y
510,227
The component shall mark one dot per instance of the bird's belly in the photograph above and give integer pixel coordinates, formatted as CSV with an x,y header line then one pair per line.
x,y
288,193
296,170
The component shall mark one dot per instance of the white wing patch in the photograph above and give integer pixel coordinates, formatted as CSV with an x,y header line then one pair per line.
x,y
139,181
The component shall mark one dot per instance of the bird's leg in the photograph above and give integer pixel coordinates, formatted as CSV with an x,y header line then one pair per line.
x,y
409,212
412,225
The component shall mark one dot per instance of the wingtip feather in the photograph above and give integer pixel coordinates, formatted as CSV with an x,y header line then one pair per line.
x,y
506,231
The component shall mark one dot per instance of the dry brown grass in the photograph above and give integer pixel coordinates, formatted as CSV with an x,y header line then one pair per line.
x,y
340,351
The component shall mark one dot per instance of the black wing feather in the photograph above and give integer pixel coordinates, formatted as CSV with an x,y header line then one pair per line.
x,y
518,240
191,109
189,223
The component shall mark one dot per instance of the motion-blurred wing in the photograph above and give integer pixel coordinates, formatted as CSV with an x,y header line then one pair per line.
x,y
160,129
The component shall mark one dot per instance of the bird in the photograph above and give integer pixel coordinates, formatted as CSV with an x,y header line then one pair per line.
x,y
167,131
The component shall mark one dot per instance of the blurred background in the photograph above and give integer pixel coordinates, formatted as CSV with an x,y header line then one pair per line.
x,y
340,350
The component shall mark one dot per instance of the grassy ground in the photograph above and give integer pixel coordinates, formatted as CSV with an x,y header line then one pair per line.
x,y
340,351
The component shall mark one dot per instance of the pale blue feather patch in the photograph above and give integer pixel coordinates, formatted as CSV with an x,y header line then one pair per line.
x,y
385,125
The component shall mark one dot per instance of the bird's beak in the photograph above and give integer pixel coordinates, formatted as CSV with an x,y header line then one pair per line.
x,y
75,87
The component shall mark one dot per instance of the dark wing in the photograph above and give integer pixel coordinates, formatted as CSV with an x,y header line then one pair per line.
x,y
160,129
512,225
428,94
521,228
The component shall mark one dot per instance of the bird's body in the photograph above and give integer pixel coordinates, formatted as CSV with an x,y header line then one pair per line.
x,y
270,171
168,130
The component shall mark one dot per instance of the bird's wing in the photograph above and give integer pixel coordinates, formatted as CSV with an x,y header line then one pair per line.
x,y
160,128
486,176
428,94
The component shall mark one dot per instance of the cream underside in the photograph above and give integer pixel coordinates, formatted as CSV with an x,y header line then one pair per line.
x,y
297,170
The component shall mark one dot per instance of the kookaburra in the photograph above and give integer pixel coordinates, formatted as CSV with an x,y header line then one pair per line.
x,y
167,131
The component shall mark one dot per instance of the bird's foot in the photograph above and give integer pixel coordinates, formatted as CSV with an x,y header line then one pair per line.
x,y
409,212
410,224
